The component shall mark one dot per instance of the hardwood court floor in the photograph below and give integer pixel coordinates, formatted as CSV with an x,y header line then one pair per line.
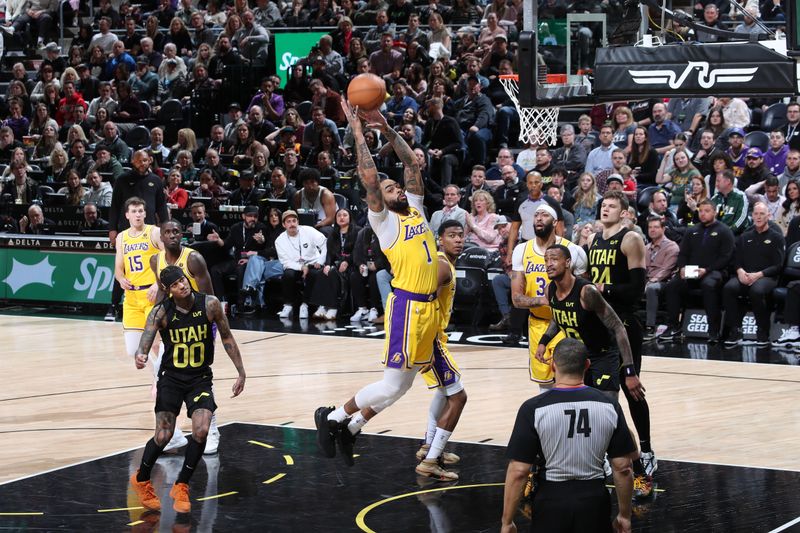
x,y
71,394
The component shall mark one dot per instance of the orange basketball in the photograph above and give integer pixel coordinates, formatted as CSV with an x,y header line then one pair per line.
x,y
367,91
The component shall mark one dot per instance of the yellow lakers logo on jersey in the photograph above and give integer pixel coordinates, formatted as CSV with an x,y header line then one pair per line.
x,y
397,357
413,231
535,267
448,375
136,247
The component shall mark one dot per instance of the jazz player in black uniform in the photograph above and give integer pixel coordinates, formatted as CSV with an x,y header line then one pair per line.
x,y
580,312
184,320
617,267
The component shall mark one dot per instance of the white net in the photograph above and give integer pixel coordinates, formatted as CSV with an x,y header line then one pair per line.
x,y
537,125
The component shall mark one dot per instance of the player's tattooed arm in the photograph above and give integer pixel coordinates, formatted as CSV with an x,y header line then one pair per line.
x,y
518,297
592,300
551,331
217,315
367,171
411,175
155,321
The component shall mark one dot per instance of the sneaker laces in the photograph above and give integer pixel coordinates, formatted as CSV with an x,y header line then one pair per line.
x,y
181,492
148,491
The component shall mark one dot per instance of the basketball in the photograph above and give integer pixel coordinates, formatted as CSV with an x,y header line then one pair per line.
x,y
366,91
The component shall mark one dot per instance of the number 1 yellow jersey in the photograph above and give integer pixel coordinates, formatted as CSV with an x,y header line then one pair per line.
x,y
136,254
413,255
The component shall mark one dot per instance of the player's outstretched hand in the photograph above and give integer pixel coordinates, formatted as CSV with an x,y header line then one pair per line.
x,y
152,292
635,387
238,386
140,360
375,120
352,115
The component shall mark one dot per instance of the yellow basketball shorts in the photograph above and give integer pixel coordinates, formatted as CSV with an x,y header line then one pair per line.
x,y
411,324
444,371
135,309
541,372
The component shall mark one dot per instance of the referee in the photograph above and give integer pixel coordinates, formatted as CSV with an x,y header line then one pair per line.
x,y
567,431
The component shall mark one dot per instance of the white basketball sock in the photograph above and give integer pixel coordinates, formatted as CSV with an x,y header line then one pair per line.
x,y
356,423
132,338
338,414
438,403
439,442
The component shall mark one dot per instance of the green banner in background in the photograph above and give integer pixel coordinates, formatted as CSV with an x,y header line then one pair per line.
x,y
56,276
291,48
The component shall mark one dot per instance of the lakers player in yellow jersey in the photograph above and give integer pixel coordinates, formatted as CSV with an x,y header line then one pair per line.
x,y
134,248
443,375
194,268
529,282
396,217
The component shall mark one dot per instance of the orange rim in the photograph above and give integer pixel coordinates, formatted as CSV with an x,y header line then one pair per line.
x,y
509,77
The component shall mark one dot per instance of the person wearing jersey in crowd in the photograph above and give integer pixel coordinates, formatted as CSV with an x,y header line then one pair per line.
x,y
194,267
617,267
184,319
566,432
396,216
529,283
581,312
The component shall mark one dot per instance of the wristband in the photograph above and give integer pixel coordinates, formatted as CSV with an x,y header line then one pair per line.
x,y
545,340
629,371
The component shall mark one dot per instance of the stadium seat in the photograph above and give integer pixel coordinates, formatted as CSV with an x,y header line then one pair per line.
x,y
774,117
138,137
341,201
790,274
758,139
304,110
643,202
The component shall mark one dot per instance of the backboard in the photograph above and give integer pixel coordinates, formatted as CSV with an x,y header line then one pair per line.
x,y
588,53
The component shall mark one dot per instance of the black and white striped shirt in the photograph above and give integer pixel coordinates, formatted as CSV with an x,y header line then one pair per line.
x,y
568,431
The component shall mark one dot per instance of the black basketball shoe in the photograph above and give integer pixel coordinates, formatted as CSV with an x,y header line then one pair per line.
x,y
346,441
326,431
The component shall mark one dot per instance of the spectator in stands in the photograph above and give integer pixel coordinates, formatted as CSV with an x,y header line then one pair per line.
x,y
259,126
279,189
154,57
768,193
414,33
296,15
775,156
702,158
118,57
328,100
270,102
475,115
599,159
792,170
80,125
748,24
791,206
73,190
132,37
260,169
643,158
357,56
501,283
57,165
201,226
708,248
245,240
678,180
267,14
46,144
505,196
252,38
696,192
319,120
111,140
172,82
387,59
477,182
245,193
735,111
105,39
41,118
98,191
442,136
570,155
34,222
264,265
67,105
731,203
23,190
177,197
145,81
662,130
661,256
338,265
758,261
587,200
297,88
755,170
711,19
792,127
300,249
368,260
688,113
480,223
224,58
737,150
314,197
291,167
659,206
79,159
7,144
104,100
234,121
105,164
216,142
397,105
450,209
91,219
18,123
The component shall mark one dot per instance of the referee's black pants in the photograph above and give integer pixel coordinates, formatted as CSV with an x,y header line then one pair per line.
x,y
571,507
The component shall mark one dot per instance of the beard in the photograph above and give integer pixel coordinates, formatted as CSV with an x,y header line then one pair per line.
x,y
545,232
397,205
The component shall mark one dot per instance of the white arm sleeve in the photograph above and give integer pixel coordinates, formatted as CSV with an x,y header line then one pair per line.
x,y
580,262
416,201
386,226
516,258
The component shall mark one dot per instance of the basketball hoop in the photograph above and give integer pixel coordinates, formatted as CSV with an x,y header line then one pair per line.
x,y
537,125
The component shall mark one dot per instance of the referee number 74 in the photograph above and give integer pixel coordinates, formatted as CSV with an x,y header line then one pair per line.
x,y
578,422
